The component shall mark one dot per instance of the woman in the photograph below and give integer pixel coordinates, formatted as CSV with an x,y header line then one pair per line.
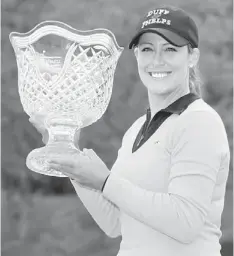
x,y
165,192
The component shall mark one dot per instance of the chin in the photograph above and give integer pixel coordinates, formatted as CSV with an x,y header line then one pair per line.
x,y
158,88
159,92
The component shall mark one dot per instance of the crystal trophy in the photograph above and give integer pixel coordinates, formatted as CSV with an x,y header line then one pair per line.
x,y
65,79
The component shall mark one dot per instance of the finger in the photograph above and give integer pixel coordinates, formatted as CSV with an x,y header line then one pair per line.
x,y
41,129
32,120
62,158
58,166
62,162
62,167
69,175
35,122
90,153
77,134
54,166
67,171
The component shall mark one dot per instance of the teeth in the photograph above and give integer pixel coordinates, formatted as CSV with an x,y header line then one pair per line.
x,y
159,75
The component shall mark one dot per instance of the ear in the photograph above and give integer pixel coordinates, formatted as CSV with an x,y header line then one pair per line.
x,y
136,52
194,57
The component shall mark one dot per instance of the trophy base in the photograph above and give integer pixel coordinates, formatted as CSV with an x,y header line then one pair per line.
x,y
37,160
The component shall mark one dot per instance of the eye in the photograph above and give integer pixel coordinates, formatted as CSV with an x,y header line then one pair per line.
x,y
170,49
146,49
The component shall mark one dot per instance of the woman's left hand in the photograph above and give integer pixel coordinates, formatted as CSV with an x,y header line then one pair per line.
x,y
87,168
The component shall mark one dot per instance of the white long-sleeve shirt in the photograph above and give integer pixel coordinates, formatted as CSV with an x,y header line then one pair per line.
x,y
167,197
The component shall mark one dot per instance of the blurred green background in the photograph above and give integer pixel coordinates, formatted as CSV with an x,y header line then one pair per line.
x,y
42,215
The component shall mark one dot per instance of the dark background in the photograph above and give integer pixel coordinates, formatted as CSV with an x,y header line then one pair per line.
x,y
41,215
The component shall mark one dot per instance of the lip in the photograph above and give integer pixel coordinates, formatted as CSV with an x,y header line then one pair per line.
x,y
168,74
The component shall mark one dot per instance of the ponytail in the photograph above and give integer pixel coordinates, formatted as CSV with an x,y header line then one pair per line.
x,y
195,80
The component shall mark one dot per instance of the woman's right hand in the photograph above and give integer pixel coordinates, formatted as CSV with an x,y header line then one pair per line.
x,y
38,123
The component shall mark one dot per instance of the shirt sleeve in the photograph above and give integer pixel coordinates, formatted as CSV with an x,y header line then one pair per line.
x,y
104,212
197,148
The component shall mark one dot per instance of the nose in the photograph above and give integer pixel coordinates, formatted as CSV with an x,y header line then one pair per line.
x,y
158,58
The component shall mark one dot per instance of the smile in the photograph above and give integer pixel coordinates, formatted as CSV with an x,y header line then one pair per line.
x,y
159,74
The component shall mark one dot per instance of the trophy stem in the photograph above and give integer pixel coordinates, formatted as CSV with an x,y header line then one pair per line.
x,y
62,134
61,143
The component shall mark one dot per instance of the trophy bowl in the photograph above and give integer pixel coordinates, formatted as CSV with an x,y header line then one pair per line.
x,y
65,79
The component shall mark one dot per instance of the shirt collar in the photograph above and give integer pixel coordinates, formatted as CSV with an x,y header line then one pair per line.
x,y
178,106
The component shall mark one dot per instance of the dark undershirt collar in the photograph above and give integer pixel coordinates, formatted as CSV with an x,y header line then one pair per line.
x,y
149,127
178,106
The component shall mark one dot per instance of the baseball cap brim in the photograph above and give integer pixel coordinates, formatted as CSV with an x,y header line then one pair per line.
x,y
168,35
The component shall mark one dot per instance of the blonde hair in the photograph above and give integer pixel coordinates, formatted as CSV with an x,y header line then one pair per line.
x,y
195,80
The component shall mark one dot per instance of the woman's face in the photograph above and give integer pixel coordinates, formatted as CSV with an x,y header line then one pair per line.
x,y
163,67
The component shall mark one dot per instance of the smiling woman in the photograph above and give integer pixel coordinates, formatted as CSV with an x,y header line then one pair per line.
x,y
164,67
165,192
147,49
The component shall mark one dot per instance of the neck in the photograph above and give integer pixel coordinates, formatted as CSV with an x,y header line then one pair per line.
x,y
158,102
